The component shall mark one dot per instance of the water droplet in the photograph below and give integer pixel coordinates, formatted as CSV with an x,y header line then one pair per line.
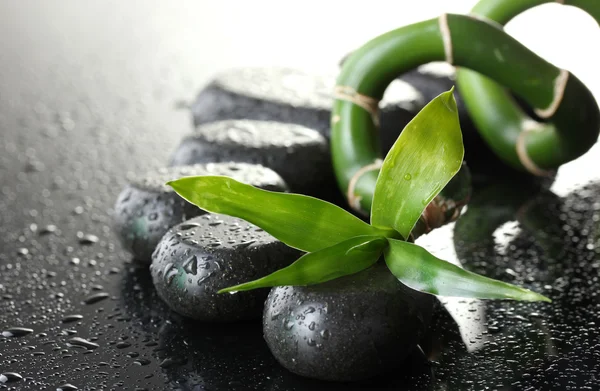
x,y
9,377
16,332
407,177
22,251
49,229
169,273
244,244
191,265
122,345
72,318
325,334
188,226
142,361
67,387
78,341
96,297
289,324
87,239
311,342
311,326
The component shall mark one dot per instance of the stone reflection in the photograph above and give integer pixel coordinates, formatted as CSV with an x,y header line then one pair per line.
x,y
232,356
524,234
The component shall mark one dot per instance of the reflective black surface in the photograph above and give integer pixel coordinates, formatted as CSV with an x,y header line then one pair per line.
x,y
81,110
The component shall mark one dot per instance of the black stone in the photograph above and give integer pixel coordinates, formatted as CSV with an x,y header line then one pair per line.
x,y
273,94
197,258
147,207
299,154
346,329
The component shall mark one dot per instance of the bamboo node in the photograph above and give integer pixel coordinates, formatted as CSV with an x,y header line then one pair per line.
x,y
559,90
354,199
486,20
524,158
349,94
446,38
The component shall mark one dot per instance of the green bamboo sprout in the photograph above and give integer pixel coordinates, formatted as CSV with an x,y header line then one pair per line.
x,y
422,161
470,42
521,141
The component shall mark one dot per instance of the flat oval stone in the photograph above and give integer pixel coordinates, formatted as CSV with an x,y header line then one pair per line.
x,y
197,258
299,154
346,329
272,94
147,207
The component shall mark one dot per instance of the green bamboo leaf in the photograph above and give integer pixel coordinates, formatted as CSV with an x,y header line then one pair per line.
x,y
302,222
417,268
428,153
348,257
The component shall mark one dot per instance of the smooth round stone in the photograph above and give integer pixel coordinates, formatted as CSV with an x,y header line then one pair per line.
x,y
147,207
197,258
272,94
299,154
346,329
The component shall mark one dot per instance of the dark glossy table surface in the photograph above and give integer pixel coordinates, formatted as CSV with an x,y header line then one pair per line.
x,y
89,95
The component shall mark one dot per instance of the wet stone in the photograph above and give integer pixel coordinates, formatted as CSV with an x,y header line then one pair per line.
x,y
350,328
268,94
299,154
147,207
211,252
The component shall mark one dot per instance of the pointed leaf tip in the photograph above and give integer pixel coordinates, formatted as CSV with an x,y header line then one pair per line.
x,y
417,268
428,153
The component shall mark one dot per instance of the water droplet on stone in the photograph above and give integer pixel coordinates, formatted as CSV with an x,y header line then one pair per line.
x,y
87,239
49,229
169,273
22,251
191,265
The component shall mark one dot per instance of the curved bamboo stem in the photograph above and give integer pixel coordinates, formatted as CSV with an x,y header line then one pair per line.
x,y
522,142
471,43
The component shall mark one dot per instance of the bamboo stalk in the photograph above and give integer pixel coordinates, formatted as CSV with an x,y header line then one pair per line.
x,y
471,43
522,142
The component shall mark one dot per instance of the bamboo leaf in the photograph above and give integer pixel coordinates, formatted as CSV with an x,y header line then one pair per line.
x,y
417,268
342,259
428,153
302,222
